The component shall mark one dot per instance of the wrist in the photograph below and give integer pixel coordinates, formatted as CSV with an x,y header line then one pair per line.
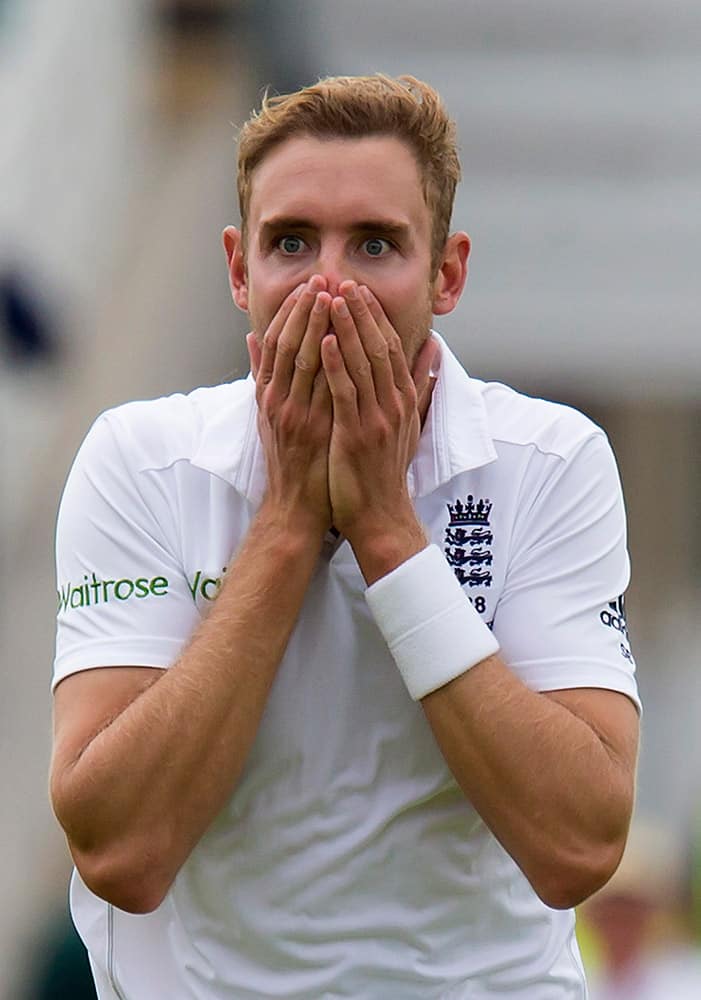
x,y
382,545
296,523
428,623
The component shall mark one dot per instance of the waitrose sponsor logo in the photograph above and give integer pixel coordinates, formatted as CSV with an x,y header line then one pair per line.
x,y
95,590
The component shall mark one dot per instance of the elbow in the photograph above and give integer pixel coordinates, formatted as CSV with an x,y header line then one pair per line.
x,y
132,872
567,882
132,883
585,855
129,893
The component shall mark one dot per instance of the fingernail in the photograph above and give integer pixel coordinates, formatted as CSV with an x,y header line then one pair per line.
x,y
319,304
341,307
351,292
298,290
366,293
316,283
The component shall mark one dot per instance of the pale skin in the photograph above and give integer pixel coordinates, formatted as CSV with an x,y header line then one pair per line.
x,y
340,305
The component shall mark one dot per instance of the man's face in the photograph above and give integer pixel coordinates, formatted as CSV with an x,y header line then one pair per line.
x,y
345,209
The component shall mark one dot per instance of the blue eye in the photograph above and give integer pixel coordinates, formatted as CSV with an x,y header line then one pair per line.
x,y
291,244
376,247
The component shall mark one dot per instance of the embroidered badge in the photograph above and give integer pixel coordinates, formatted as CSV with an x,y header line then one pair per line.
x,y
468,538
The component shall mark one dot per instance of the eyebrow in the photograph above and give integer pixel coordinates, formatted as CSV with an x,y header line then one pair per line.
x,y
285,223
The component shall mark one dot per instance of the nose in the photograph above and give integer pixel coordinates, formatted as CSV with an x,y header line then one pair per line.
x,y
333,265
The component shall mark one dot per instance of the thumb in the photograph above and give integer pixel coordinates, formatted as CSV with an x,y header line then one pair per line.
x,y
254,352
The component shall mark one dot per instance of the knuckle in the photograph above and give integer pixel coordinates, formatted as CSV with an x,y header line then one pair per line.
x,y
288,419
267,402
263,393
362,311
348,392
394,344
285,348
396,414
303,364
382,434
409,394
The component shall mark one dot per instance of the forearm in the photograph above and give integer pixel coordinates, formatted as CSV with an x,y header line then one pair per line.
x,y
552,791
542,770
145,788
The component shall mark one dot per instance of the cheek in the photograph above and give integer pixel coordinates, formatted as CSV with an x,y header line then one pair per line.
x,y
409,304
257,313
404,288
395,295
264,303
268,288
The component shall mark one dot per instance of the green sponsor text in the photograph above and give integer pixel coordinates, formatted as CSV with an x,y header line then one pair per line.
x,y
94,590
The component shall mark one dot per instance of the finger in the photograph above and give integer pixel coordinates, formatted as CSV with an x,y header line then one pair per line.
x,y
397,358
424,362
377,312
320,405
400,368
270,338
356,362
292,334
421,372
373,340
344,394
254,352
308,359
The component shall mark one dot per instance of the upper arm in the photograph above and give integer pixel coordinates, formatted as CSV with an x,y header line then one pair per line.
x,y
560,619
123,595
85,703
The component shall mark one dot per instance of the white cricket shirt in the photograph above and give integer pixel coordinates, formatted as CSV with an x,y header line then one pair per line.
x,y
347,863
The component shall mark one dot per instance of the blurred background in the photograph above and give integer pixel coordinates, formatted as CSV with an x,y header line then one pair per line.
x,y
581,152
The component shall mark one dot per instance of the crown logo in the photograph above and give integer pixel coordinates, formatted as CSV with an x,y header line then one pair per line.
x,y
470,512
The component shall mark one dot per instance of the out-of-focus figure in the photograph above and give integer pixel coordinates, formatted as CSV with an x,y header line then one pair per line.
x,y
69,88
60,968
640,925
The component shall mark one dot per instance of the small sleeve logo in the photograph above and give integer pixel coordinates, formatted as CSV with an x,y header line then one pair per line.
x,y
614,616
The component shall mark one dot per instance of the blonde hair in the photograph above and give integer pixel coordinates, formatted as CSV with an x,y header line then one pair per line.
x,y
355,107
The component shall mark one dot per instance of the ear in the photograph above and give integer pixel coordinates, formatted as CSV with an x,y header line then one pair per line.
x,y
452,274
236,266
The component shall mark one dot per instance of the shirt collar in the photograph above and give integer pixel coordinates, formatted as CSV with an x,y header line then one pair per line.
x,y
229,446
455,437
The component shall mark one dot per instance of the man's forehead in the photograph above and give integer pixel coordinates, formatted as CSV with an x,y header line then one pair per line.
x,y
375,177
304,144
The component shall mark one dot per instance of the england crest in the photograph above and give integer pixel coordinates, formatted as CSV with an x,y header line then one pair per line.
x,y
468,540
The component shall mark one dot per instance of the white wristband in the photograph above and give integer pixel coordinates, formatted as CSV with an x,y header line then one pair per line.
x,y
432,630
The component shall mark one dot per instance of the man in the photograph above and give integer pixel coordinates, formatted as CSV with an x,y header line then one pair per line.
x,y
395,741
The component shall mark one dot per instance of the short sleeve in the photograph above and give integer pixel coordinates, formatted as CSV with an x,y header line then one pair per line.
x,y
123,598
560,619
